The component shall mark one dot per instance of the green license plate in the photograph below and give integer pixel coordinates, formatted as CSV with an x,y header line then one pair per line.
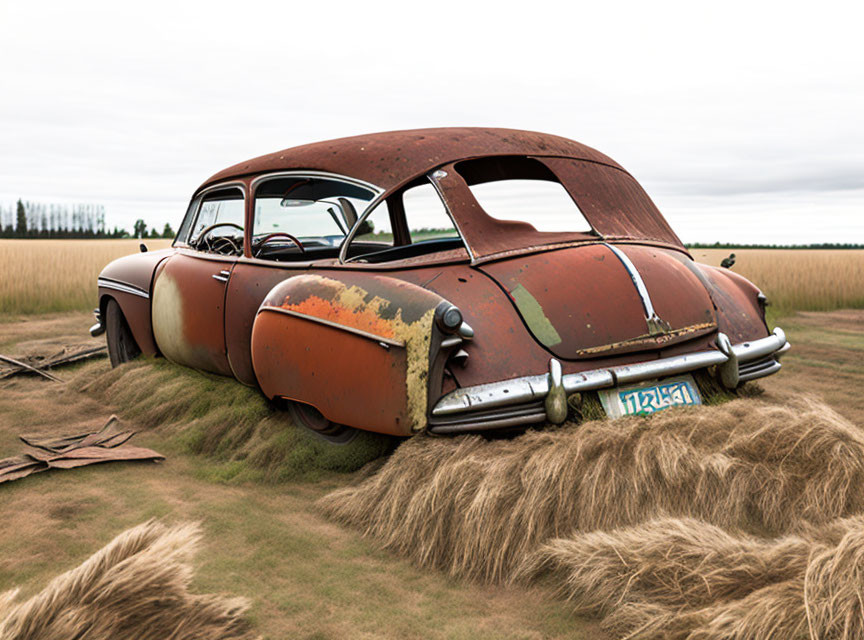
x,y
651,397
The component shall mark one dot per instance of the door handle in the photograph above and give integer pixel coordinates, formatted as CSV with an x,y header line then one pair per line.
x,y
222,276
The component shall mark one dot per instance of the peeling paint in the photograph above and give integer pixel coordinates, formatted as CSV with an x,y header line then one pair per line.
x,y
354,307
534,317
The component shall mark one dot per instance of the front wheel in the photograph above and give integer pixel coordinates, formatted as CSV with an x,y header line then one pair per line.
x,y
121,344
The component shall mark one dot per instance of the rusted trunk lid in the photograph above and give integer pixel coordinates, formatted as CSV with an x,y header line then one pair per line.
x,y
596,300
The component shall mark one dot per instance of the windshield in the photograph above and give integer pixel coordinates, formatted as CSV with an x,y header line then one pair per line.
x,y
308,208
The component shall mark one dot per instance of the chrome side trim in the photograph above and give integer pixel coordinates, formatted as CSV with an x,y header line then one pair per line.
x,y
107,283
535,388
365,334
655,323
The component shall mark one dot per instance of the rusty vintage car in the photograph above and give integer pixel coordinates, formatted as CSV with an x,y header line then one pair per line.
x,y
446,280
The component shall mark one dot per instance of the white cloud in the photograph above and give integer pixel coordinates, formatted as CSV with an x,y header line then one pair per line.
x,y
718,110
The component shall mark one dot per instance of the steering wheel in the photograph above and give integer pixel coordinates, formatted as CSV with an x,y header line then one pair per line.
x,y
206,230
277,234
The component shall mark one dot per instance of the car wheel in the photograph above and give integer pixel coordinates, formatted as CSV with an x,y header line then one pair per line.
x,y
121,344
310,418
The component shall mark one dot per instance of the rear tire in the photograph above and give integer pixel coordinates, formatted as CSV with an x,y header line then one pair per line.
x,y
310,418
121,343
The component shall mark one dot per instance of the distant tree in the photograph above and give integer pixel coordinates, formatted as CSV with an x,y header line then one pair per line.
x,y
154,233
21,222
167,232
140,229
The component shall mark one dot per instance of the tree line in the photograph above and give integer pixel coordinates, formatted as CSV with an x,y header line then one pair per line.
x,y
61,221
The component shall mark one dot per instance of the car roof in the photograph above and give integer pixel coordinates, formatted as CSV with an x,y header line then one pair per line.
x,y
390,159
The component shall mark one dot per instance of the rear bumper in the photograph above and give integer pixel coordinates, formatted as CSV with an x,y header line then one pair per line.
x,y
539,398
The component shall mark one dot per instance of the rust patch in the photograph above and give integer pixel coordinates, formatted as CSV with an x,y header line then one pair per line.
x,y
364,319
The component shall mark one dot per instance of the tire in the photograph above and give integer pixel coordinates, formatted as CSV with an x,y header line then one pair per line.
x,y
311,419
121,343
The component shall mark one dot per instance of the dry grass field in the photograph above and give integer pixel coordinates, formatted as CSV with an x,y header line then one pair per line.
x,y
40,276
799,279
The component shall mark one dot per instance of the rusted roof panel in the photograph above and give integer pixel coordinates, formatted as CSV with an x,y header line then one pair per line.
x,y
389,159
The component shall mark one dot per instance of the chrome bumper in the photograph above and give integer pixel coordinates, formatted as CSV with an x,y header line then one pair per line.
x,y
539,398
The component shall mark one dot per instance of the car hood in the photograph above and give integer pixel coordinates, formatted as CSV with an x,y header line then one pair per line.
x,y
600,299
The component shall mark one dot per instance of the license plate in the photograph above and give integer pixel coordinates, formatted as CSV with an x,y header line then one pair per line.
x,y
647,398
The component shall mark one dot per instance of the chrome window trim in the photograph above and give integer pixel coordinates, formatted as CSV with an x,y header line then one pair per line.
x,y
315,174
116,285
199,195
343,249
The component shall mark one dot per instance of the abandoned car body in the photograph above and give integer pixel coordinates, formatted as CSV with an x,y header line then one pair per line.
x,y
447,280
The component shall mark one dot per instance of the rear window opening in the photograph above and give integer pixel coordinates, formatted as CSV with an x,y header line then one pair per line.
x,y
523,190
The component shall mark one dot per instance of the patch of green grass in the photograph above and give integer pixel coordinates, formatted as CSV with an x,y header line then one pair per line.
x,y
244,436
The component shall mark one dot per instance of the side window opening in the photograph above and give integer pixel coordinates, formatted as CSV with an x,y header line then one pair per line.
x,y
523,190
409,224
425,214
217,207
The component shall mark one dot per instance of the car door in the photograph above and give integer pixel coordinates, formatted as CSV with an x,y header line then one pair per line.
x,y
188,308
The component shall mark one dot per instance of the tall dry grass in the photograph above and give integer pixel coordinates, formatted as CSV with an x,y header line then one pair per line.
x,y
684,578
799,279
478,508
39,276
137,587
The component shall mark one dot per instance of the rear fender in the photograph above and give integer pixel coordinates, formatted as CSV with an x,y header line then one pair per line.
x,y
740,315
366,350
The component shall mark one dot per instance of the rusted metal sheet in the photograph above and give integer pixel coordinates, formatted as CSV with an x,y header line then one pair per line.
x,y
390,159
75,450
38,364
189,312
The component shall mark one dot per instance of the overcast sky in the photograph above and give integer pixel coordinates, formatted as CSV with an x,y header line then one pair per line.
x,y
742,120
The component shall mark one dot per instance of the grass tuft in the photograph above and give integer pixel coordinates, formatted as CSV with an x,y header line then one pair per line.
x,y
135,587
683,578
477,508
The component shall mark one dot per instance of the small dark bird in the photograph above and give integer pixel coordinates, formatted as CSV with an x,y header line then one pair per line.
x,y
727,263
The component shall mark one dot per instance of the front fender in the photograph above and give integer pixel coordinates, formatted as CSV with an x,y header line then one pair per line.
x,y
129,281
360,349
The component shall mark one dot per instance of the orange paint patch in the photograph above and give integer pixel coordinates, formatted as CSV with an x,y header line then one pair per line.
x,y
363,318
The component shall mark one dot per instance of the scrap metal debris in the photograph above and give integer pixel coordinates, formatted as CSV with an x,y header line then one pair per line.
x,y
37,364
76,450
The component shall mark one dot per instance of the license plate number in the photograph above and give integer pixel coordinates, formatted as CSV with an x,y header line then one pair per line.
x,y
647,398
